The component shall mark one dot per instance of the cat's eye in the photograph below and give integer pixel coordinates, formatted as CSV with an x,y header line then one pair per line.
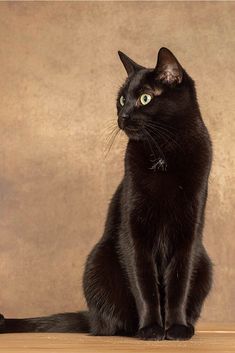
x,y
145,98
122,100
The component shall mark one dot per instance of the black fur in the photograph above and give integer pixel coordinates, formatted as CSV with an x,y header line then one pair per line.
x,y
149,274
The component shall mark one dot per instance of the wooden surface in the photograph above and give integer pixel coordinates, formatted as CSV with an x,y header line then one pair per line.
x,y
209,338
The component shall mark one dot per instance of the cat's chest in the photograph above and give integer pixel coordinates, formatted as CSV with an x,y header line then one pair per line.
x,y
157,234
159,186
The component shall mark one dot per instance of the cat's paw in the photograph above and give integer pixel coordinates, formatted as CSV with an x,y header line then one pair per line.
x,y
151,332
179,332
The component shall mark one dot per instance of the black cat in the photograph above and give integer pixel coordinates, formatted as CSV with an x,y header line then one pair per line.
x,y
149,274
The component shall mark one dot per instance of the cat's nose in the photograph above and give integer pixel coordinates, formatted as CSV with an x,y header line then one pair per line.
x,y
122,120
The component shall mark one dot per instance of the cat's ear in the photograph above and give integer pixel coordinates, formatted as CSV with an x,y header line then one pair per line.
x,y
168,69
129,64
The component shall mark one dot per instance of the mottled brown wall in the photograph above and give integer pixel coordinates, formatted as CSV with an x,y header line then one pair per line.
x,y
59,73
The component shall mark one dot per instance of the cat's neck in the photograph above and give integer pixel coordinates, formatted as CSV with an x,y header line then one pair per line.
x,y
141,156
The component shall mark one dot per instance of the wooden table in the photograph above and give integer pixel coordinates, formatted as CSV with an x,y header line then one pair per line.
x,y
208,338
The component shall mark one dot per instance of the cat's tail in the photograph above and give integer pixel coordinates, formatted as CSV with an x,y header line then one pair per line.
x,y
66,322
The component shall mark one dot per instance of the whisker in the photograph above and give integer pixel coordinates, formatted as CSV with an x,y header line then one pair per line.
x,y
110,133
160,132
109,125
111,141
149,144
156,125
167,126
155,144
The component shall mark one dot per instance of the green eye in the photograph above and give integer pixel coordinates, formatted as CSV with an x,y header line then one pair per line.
x,y
122,100
145,98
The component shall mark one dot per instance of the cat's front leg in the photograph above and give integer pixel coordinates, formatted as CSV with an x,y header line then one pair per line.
x,y
177,282
143,277
147,298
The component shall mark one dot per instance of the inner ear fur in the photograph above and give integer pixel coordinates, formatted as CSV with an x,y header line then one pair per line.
x,y
168,69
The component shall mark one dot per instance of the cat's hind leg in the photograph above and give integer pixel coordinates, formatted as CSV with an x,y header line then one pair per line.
x,y
200,286
110,302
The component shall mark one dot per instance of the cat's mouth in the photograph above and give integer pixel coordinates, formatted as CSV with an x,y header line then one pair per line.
x,y
132,132
130,129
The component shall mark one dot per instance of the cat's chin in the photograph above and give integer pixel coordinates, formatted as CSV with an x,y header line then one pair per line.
x,y
133,134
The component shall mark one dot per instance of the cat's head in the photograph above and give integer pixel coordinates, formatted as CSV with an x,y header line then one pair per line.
x,y
153,97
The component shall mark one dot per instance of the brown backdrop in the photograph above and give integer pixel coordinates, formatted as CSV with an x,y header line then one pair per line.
x,y
59,73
